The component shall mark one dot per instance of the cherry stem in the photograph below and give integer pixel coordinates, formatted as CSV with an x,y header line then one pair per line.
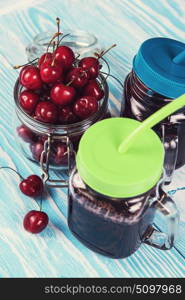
x,y
81,75
114,78
58,29
13,171
108,67
99,56
76,59
63,37
30,62
54,44
40,206
53,61
69,83
54,36
104,52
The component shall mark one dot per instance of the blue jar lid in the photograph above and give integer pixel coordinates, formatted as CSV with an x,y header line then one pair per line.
x,y
160,65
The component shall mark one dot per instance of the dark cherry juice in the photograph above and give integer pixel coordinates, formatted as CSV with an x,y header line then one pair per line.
x,y
111,227
139,102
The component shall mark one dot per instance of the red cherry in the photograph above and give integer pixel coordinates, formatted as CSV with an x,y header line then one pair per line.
x,y
36,149
93,89
45,57
30,78
31,186
35,221
50,71
66,115
45,93
46,112
62,94
28,101
65,56
78,77
59,154
23,69
26,134
85,107
92,65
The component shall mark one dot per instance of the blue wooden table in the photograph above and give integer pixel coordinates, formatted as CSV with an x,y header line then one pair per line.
x,y
55,252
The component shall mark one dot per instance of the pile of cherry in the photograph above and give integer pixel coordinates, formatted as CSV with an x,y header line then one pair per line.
x,y
61,89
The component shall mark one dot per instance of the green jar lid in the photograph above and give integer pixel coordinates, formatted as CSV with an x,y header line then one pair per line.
x,y
119,175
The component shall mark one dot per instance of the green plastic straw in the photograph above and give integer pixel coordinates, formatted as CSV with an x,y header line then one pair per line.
x,y
158,116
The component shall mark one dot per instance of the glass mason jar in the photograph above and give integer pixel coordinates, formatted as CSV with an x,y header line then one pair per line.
x,y
81,42
51,145
112,200
156,79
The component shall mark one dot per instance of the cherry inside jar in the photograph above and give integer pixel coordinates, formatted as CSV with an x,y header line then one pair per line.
x,y
32,134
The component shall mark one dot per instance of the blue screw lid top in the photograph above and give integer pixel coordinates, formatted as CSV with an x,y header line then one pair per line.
x,y
160,65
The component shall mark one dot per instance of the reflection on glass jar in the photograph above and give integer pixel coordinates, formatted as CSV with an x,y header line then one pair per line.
x,y
81,42
32,135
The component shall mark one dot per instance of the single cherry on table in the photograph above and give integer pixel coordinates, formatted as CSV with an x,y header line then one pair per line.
x,y
32,186
35,221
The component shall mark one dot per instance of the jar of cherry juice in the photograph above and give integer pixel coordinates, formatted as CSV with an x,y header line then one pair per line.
x,y
112,198
157,78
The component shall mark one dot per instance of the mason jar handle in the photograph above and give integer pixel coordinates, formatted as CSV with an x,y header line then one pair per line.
x,y
170,141
164,241
44,163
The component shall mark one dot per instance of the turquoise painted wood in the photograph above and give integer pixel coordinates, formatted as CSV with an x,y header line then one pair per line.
x,y
55,252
